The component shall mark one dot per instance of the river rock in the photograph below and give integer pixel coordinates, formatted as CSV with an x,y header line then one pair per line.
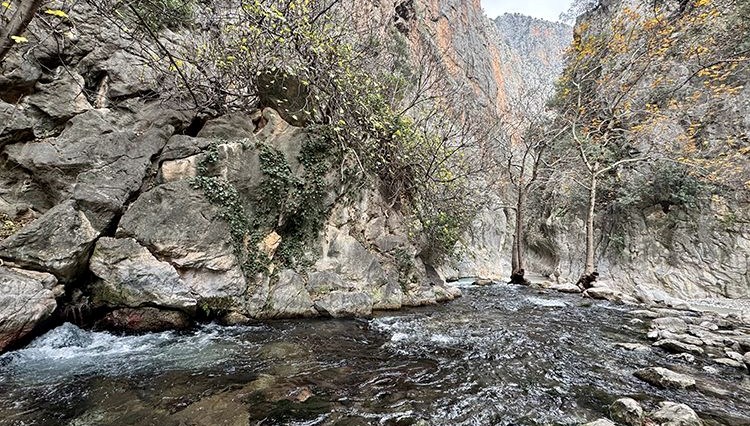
x,y
673,414
627,411
688,358
130,276
728,362
59,242
635,347
664,378
709,326
565,288
733,355
27,298
746,359
144,320
670,324
605,293
644,313
600,422
675,346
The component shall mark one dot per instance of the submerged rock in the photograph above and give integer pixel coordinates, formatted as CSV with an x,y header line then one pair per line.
x,y
665,378
144,320
673,414
627,411
26,299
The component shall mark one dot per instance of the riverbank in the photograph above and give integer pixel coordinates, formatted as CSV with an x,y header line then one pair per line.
x,y
500,355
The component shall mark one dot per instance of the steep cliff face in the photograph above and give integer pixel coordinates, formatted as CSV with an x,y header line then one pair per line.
x,y
680,224
127,208
526,56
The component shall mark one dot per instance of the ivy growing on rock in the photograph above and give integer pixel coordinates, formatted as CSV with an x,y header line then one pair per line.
x,y
383,117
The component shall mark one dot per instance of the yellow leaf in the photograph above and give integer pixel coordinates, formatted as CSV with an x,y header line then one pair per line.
x,y
56,12
6,4
19,39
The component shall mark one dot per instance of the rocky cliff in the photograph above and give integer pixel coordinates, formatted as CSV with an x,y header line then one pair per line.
x,y
126,209
678,223
527,57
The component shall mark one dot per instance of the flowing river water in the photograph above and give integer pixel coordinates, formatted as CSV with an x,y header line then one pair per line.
x,y
501,355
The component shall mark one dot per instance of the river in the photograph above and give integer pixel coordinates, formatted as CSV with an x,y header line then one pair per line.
x,y
500,355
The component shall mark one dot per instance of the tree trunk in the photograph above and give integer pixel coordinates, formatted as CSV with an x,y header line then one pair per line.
x,y
20,19
519,235
590,266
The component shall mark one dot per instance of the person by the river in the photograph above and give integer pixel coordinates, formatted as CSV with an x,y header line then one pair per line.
x,y
517,277
587,281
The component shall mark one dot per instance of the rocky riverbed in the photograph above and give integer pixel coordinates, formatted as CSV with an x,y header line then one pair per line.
x,y
501,355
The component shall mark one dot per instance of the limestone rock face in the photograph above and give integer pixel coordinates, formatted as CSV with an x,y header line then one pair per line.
x,y
130,276
288,298
99,159
59,242
179,226
339,304
26,299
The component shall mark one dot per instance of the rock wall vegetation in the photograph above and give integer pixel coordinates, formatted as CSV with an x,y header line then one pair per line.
x,y
166,162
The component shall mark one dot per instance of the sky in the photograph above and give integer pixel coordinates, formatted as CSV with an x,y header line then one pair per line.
x,y
545,9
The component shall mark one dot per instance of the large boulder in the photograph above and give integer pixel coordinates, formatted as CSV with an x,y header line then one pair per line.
x,y
288,297
130,276
664,378
178,225
62,98
673,414
627,411
26,299
59,242
100,159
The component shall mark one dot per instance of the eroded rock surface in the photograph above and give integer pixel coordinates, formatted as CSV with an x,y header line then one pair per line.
x,y
27,298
